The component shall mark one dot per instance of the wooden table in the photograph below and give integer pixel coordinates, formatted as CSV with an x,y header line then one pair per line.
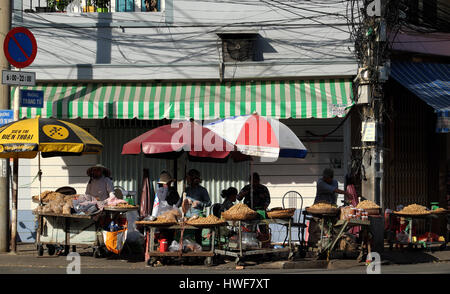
x,y
152,252
429,219
68,230
327,245
240,253
365,235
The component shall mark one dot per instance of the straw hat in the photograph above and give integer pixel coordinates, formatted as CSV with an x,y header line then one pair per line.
x,y
164,178
105,171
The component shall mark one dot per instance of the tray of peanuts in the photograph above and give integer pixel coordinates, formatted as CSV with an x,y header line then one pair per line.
x,y
239,211
204,222
121,207
370,207
413,210
323,209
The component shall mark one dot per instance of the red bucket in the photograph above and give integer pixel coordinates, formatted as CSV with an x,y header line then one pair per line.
x,y
163,245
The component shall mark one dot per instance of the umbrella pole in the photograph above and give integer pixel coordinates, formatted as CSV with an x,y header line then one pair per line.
x,y
40,177
14,205
251,183
15,184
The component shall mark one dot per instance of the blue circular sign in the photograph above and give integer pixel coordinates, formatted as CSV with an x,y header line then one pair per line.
x,y
20,47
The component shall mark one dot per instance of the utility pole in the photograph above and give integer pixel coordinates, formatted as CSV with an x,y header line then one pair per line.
x,y
372,76
5,26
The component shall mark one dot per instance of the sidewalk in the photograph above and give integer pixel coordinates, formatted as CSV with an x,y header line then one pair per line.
x,y
388,257
27,257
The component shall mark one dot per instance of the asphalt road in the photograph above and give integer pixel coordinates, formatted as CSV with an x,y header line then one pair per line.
x,y
88,265
30,272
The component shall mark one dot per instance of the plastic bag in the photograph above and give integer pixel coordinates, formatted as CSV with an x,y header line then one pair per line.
x,y
249,239
403,237
114,241
174,247
189,245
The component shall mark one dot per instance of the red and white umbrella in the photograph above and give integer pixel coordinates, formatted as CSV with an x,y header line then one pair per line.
x,y
169,141
255,135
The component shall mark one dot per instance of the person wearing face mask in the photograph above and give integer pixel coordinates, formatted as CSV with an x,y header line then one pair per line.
x,y
166,195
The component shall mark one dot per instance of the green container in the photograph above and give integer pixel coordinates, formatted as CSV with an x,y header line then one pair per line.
x,y
129,200
262,214
434,205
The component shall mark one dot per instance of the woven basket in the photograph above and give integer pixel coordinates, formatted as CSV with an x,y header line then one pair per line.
x,y
156,223
411,214
236,217
281,213
330,211
439,211
205,225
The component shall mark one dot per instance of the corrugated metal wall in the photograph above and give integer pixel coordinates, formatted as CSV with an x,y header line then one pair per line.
x,y
127,170
410,160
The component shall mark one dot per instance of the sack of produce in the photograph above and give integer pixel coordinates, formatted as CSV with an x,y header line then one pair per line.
x,y
47,209
48,196
67,208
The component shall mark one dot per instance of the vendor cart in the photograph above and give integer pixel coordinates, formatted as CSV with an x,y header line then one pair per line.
x,y
240,251
115,237
152,254
67,230
344,226
332,230
74,229
429,244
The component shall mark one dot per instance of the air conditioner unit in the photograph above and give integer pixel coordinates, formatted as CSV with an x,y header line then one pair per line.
x,y
238,47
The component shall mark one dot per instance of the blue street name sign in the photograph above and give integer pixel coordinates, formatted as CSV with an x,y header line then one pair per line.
x,y
6,116
31,98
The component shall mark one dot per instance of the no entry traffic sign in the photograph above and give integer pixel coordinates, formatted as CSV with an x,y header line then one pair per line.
x,y
20,47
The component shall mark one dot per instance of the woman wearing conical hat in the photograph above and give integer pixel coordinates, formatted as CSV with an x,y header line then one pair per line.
x,y
100,184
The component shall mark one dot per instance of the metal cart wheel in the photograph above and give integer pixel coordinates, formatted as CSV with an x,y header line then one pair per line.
x,y
209,261
152,261
291,256
97,252
40,249
239,260
51,249
66,250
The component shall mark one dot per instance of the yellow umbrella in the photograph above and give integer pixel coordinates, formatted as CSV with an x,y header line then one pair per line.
x,y
50,137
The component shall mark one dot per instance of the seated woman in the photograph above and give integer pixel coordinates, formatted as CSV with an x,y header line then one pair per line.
x,y
229,195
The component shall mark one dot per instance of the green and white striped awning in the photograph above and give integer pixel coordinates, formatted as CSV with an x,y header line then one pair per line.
x,y
198,100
